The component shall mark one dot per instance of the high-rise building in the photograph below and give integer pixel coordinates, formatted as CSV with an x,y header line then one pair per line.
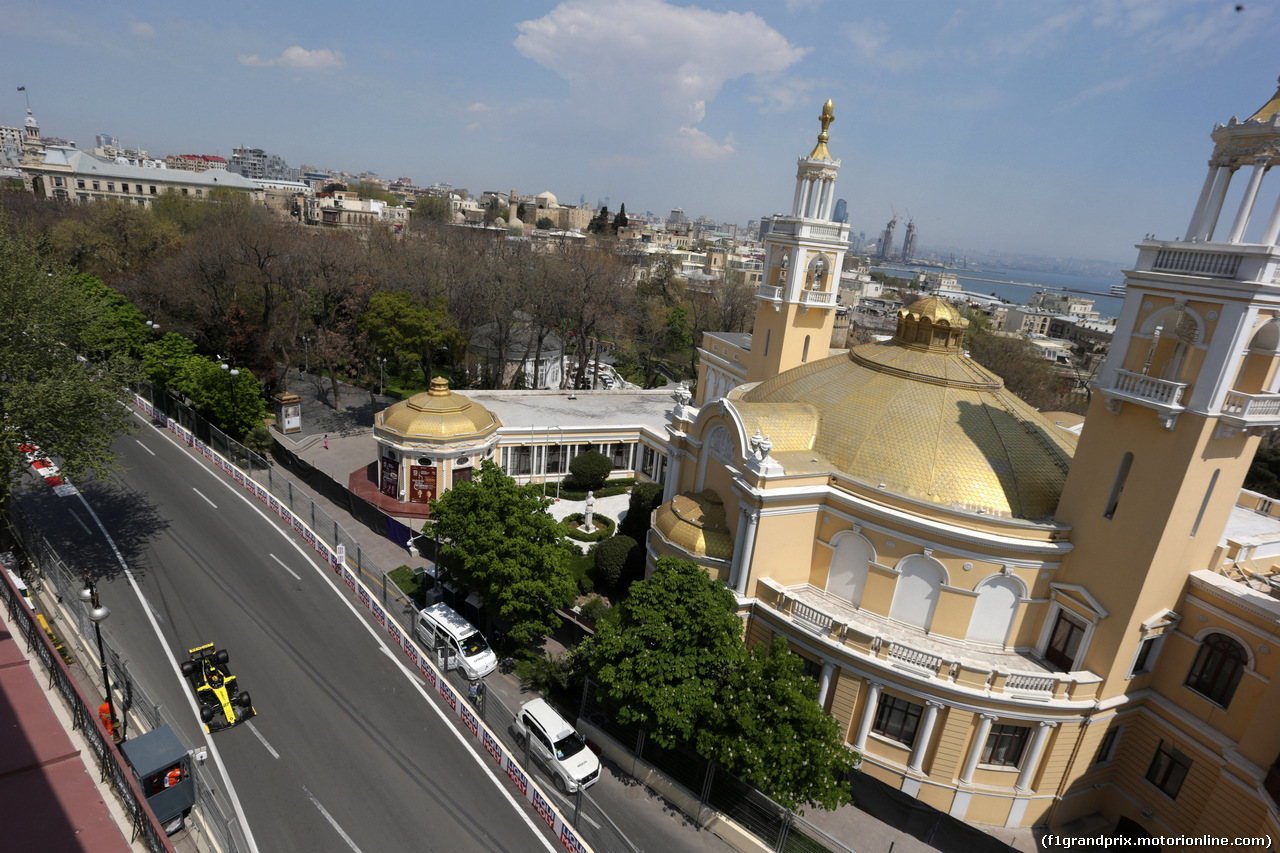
x,y
885,251
842,211
909,242
256,163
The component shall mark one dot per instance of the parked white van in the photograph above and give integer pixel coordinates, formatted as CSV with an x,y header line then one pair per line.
x,y
557,745
440,626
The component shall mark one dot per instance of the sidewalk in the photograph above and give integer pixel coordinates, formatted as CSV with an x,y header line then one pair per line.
x,y
340,442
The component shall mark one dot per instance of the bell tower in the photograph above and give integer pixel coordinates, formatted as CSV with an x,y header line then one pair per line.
x,y
795,308
1190,385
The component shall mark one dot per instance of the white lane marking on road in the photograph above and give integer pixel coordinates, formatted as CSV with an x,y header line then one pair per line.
x,y
144,447
206,500
259,736
80,520
287,535
332,822
296,576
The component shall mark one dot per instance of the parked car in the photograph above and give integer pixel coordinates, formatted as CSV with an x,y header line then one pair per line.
x,y
557,745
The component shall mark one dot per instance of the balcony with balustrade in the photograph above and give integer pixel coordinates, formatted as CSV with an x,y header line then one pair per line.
x,y
944,663
820,298
1243,410
1254,262
1163,395
769,293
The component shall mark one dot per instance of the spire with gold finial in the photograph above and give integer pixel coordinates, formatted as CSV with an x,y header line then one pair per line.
x,y
820,151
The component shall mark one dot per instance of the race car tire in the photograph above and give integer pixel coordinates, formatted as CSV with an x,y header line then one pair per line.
x,y
188,668
222,656
243,700
206,715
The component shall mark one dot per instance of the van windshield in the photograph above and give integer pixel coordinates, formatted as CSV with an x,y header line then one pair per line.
x,y
474,644
569,746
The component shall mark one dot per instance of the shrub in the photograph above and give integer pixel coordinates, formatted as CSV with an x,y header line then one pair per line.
x,y
569,492
595,609
589,536
611,557
589,470
645,498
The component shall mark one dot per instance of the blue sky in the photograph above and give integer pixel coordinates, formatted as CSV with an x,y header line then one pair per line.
x,y
1065,129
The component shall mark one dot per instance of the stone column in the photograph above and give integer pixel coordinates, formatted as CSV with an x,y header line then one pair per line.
x,y
923,736
748,548
1200,203
1032,759
868,714
1209,218
1246,204
673,474
824,683
795,203
1272,233
735,565
975,749
831,199
806,195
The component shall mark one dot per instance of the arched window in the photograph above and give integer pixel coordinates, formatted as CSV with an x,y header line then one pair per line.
x,y
1216,671
916,595
994,610
849,565
1173,337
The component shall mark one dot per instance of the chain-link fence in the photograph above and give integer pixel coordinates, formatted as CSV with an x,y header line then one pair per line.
x,y
714,789
131,694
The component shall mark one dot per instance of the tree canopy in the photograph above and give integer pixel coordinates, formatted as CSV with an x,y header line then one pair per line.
x,y
498,540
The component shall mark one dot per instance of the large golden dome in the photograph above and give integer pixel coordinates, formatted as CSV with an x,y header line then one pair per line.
x,y
436,414
917,417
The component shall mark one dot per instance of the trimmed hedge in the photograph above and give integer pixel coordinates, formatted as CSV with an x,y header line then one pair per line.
x,y
609,526
611,487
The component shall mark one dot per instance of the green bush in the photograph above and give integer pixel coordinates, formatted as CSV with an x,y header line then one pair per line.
x,y
611,558
645,498
583,536
589,470
613,487
595,609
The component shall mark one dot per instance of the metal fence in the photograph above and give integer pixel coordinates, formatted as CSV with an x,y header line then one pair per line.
x,y
131,694
716,790
111,763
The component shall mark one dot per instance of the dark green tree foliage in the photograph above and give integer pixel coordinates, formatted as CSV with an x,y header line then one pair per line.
x,y
599,223
621,221
1264,471
498,540
611,558
545,224
589,470
430,208
645,498
70,409
334,187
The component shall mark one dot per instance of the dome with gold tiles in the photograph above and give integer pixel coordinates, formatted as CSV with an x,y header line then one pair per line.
x,y
438,414
696,523
916,416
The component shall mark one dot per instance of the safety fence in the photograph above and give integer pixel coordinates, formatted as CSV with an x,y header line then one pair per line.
x,y
132,694
111,763
712,791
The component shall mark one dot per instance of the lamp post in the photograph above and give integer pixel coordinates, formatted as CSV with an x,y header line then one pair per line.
x,y
155,327
97,612
381,383
306,352
232,373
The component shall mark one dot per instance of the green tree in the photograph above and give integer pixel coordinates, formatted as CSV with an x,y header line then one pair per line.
x,y
620,221
661,664
114,238
599,223
590,469
402,327
766,727
611,557
431,208
366,189
334,187
645,498
498,539
545,224
70,409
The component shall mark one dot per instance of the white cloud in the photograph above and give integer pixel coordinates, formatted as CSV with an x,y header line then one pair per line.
x,y
870,40
658,65
140,28
322,59
478,108
472,128
699,145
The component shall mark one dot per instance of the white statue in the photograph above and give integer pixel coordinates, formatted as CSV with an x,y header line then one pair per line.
x,y
586,518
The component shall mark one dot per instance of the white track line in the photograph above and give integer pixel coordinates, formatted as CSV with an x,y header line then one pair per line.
x,y
206,500
144,447
325,573
296,576
251,727
332,822
80,521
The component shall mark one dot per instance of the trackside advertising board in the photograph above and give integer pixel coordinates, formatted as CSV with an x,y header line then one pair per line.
x,y
456,703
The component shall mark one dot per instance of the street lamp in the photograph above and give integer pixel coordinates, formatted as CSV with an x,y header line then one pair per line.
x,y
232,373
155,327
98,612
306,352
381,384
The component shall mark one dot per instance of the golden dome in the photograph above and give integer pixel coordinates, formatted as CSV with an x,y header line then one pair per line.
x,y
820,151
435,414
695,522
925,421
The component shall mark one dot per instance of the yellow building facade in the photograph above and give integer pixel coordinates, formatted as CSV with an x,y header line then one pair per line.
x,y
1012,625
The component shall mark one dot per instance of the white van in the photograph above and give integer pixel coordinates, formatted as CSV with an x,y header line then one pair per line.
x,y
440,626
557,745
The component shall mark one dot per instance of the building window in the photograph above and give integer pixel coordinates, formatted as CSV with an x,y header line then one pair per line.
x,y
519,460
1064,642
1216,671
184,190
1145,658
1168,769
915,596
1107,748
1005,745
111,186
138,188
153,189
199,192
897,719
57,182
1264,505
79,183
96,185
621,456
124,188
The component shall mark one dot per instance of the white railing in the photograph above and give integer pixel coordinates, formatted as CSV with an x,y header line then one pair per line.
x,y
817,297
812,617
1217,264
783,227
1030,683
1149,388
914,657
1247,406
823,230
772,293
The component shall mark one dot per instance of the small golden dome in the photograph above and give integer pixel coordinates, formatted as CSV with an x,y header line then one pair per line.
x,y
820,151
696,523
936,310
435,414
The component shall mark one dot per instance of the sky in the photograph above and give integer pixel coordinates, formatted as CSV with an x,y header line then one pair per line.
x,y
1060,129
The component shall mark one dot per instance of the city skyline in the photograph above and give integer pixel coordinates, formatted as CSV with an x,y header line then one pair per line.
x,y
1064,132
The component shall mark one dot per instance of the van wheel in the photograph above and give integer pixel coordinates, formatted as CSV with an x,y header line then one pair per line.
x,y
559,783
520,742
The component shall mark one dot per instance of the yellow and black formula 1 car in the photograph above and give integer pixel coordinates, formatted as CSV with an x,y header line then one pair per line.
x,y
215,687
